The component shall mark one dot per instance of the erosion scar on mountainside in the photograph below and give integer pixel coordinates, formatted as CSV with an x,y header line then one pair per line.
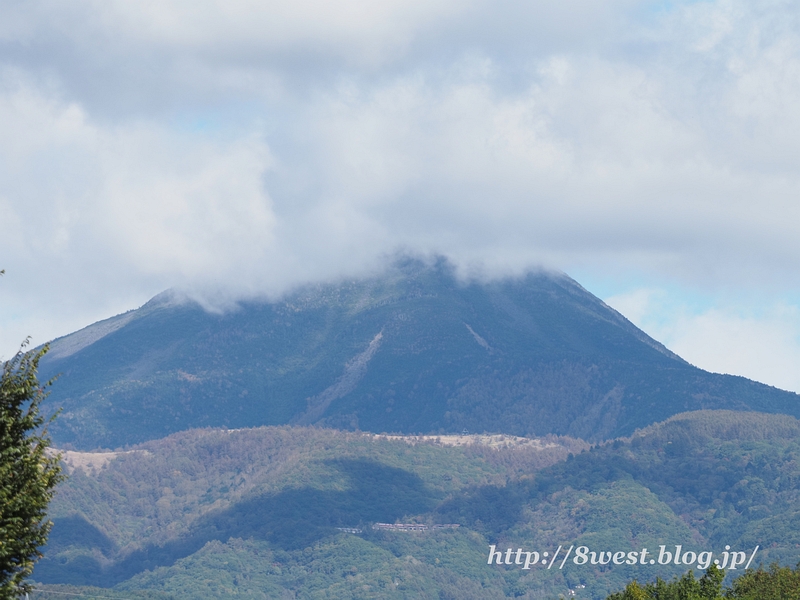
x,y
354,370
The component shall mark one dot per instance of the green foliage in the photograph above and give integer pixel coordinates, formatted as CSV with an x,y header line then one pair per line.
x,y
708,587
339,568
776,583
164,500
257,509
28,474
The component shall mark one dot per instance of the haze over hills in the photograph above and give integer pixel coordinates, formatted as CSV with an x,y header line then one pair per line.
x,y
410,350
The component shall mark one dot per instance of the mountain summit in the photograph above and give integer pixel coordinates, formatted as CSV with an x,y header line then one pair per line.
x,y
411,350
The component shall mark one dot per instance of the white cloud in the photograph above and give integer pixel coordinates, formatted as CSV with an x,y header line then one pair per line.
x,y
765,348
635,305
251,145
92,214
586,163
252,30
729,338
159,202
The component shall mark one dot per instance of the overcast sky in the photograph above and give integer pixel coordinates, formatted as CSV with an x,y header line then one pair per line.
x,y
238,147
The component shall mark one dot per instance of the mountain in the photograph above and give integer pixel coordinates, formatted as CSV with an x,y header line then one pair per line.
x,y
214,513
410,350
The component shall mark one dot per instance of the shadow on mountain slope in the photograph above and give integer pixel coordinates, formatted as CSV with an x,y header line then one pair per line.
x,y
291,519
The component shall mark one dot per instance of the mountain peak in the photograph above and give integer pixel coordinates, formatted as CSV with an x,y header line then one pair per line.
x,y
414,349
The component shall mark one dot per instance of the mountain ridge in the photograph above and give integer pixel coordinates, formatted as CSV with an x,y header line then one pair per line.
x,y
410,350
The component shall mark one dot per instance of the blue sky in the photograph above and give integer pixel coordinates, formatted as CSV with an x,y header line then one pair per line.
x,y
236,149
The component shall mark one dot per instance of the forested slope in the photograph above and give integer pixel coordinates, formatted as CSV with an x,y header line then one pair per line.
x,y
205,513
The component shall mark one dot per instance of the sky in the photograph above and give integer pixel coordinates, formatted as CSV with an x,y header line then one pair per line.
x,y
235,149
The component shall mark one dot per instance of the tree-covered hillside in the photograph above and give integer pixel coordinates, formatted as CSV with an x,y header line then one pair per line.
x,y
410,350
254,513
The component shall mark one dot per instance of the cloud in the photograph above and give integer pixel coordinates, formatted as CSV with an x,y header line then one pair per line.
x,y
248,146
353,31
162,203
765,348
92,214
727,337
586,164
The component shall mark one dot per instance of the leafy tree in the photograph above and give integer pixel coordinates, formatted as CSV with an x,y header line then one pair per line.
x,y
777,583
28,473
708,587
